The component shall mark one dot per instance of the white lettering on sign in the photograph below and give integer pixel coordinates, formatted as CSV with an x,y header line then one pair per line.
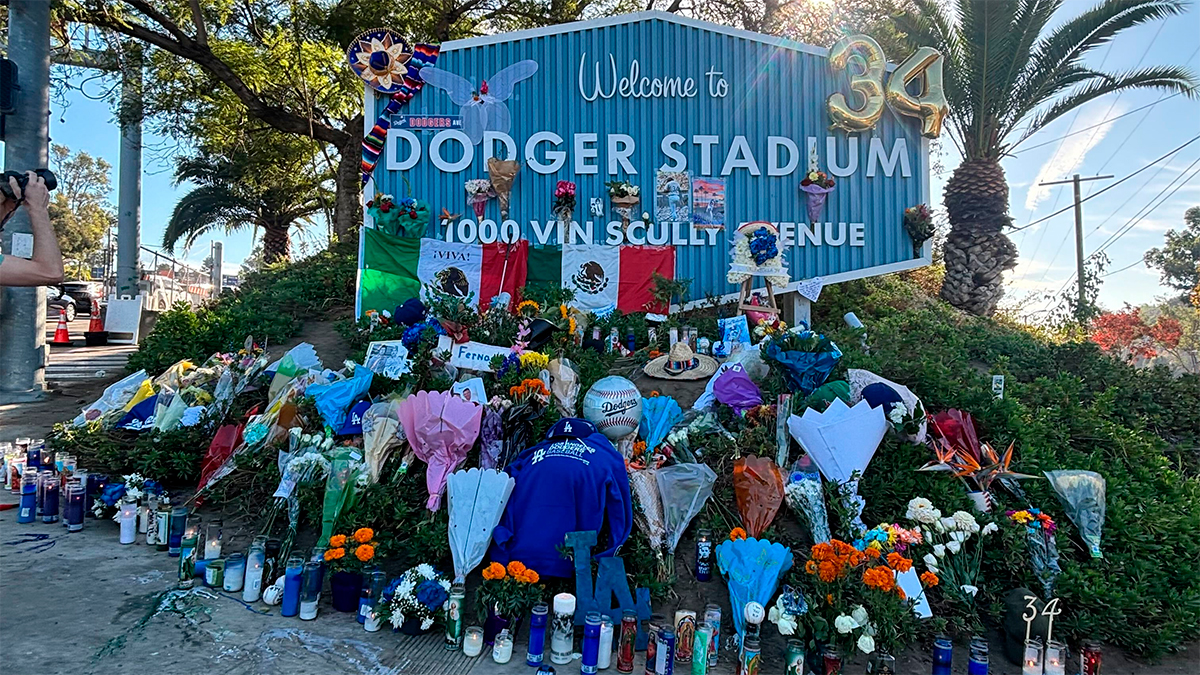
x,y
878,157
435,150
394,163
633,85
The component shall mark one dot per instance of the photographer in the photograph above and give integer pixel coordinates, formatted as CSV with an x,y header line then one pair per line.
x,y
46,266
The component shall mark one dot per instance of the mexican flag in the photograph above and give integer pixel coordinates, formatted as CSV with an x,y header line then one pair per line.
x,y
395,269
605,277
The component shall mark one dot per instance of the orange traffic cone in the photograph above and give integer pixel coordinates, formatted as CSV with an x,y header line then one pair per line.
x,y
62,337
95,325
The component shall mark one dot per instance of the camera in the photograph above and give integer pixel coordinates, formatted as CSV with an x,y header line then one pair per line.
x,y
23,178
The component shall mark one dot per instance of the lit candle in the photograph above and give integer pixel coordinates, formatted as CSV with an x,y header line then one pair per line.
x,y
503,647
212,540
73,514
252,589
1031,662
1056,658
473,641
606,643
129,522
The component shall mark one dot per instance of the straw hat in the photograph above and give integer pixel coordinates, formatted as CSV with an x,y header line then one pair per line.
x,y
682,364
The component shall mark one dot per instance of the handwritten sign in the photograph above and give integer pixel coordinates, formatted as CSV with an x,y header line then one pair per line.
x,y
471,355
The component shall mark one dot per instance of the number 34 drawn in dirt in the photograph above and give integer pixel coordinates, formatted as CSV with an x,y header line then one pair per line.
x,y
862,59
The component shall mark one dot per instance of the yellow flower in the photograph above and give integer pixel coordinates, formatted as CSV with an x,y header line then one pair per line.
x,y
337,540
364,552
364,534
534,360
528,303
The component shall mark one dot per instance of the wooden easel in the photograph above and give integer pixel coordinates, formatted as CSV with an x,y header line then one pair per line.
x,y
772,307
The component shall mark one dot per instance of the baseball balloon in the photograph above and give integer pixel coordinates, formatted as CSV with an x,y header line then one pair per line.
x,y
614,405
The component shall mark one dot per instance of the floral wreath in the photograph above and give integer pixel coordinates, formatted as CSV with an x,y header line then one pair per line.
x,y
756,253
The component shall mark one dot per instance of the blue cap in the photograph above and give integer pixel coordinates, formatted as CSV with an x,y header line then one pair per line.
x,y
879,394
571,427
354,419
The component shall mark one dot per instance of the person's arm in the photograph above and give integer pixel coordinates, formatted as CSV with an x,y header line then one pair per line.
x,y
46,266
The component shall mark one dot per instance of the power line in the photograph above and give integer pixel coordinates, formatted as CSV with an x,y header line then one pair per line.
x,y
1130,266
1125,229
1106,188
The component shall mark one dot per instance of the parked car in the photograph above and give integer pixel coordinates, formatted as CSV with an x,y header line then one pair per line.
x,y
58,301
84,292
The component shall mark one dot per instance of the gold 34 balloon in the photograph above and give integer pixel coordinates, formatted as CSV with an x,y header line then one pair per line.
x,y
862,59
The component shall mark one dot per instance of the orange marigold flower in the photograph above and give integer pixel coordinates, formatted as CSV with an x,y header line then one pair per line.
x,y
900,592
329,554
829,598
879,577
737,533
899,562
811,567
929,579
364,552
827,571
822,551
516,568
364,534
494,571
531,577
872,553
338,553
337,540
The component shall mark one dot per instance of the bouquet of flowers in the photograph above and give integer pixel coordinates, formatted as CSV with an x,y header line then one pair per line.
x,y
857,605
412,218
756,253
384,212
416,599
351,553
918,223
905,421
805,496
955,547
625,197
503,173
816,187
1043,549
508,592
805,358
479,191
564,201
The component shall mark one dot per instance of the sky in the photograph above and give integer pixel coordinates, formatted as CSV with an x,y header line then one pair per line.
x,y
1117,139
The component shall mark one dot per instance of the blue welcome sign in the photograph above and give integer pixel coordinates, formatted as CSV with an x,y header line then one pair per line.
x,y
714,126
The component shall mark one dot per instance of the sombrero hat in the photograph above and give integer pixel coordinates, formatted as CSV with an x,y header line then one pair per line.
x,y
380,57
681,364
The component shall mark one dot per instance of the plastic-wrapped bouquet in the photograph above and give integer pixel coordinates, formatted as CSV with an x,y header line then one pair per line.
x,y
804,495
804,357
918,223
625,197
413,603
479,191
564,201
1043,549
816,187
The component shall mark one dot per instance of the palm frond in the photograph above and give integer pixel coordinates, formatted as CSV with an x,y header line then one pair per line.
x,y
1168,78
201,210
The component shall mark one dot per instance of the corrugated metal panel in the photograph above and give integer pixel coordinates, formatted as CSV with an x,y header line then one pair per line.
x,y
773,91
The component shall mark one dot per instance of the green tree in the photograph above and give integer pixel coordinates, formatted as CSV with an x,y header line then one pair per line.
x,y
251,184
1178,261
79,208
1007,76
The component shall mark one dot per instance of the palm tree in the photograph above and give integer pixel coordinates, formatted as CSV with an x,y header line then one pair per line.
x,y
244,188
1006,78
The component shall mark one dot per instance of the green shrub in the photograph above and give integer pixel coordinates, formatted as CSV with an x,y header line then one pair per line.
x,y
170,457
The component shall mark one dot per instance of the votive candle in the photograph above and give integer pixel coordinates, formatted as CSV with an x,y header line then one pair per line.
x,y
472,641
235,573
503,648
28,508
310,594
212,539
252,589
606,643
1056,658
129,523
50,507
1031,661
73,513
292,578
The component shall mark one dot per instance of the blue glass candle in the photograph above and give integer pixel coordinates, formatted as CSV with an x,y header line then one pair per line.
x,y
45,477
292,576
977,664
537,634
364,593
73,512
33,458
50,501
175,535
95,484
29,485
943,655
591,644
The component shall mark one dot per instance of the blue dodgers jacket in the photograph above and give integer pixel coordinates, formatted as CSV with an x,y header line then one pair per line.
x,y
573,481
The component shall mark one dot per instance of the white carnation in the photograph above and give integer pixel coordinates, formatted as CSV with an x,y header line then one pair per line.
x,y
921,510
965,522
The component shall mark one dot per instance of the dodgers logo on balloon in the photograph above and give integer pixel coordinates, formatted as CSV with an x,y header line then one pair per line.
x,y
614,405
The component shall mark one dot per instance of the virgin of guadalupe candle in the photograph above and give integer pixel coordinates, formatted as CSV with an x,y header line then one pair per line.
x,y
129,523
794,663
626,641
455,605
310,594
537,634
235,573
685,631
591,644
187,559
606,643
562,634
292,578
252,588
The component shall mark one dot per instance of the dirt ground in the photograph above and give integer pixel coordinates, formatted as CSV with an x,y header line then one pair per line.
x,y
82,603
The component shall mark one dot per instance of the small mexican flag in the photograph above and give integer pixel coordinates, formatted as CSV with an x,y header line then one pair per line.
x,y
395,269
605,277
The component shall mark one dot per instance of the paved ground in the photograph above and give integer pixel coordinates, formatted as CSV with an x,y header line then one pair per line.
x,y
79,362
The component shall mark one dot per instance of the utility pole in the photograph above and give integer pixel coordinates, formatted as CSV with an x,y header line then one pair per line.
x,y
26,147
1076,180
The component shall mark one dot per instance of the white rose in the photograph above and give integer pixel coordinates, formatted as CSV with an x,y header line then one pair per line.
x,y
939,550
787,625
844,624
970,590
954,546
866,644
860,615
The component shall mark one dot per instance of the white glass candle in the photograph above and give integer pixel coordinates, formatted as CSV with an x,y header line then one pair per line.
x,y
373,622
473,641
252,589
562,637
212,540
1031,662
128,522
606,639
503,648
143,518
1056,658
308,610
